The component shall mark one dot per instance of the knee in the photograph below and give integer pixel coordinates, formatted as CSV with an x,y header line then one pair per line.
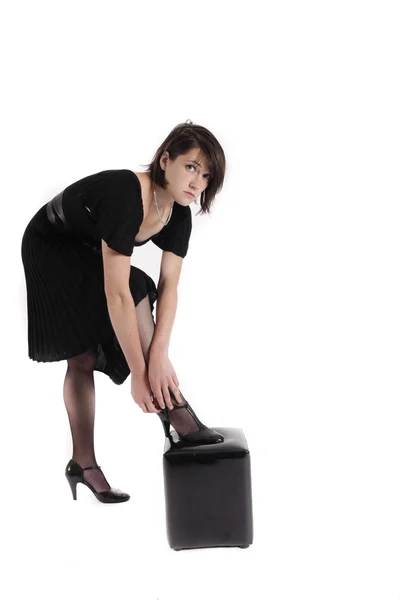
x,y
83,362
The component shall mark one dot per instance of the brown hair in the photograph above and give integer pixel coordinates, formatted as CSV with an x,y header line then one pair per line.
x,y
180,140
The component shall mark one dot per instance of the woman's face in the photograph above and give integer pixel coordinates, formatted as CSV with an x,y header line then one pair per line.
x,y
187,173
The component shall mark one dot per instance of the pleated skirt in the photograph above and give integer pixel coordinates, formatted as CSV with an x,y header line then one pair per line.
x,y
66,303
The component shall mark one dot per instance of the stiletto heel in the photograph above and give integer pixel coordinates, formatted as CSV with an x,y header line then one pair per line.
x,y
166,427
74,475
205,435
72,480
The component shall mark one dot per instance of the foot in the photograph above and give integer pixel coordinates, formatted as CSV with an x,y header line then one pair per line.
x,y
180,419
94,476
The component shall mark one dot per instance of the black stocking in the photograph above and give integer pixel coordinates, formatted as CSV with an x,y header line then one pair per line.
x,y
181,420
79,399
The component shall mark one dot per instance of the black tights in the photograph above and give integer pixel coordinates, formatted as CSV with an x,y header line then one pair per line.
x,y
79,399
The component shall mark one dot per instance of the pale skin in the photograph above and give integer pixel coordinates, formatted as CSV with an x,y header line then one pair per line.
x,y
187,173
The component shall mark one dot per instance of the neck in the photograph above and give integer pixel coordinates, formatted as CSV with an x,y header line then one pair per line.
x,y
164,200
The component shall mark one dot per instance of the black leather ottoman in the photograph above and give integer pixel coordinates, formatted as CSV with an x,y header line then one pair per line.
x,y
208,492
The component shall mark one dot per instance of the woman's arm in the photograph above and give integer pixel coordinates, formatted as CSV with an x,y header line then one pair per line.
x,y
123,318
121,307
170,272
162,376
166,307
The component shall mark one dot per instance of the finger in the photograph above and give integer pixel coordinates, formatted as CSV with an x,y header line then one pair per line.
x,y
177,395
156,403
167,397
150,406
159,397
159,400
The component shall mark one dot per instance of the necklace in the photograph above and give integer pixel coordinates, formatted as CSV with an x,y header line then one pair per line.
x,y
170,212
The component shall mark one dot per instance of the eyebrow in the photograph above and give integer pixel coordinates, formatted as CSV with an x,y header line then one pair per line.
x,y
197,163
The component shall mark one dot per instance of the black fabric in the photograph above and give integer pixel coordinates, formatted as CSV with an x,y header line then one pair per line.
x,y
108,205
174,237
66,304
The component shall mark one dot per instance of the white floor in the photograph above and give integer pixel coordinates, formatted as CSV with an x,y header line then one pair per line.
x,y
325,499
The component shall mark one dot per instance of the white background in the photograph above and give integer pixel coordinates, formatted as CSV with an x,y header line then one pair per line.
x,y
288,317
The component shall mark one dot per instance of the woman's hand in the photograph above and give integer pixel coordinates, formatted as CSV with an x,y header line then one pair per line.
x,y
163,379
141,392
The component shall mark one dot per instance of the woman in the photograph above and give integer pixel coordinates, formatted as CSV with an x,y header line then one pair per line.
x,y
88,305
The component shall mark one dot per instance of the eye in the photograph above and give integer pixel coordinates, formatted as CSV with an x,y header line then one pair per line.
x,y
208,176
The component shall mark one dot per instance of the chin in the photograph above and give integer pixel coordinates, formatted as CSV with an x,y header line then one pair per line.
x,y
184,201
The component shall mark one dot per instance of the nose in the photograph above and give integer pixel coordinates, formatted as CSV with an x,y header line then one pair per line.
x,y
194,186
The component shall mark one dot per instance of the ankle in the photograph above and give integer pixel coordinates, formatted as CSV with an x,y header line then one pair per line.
x,y
84,460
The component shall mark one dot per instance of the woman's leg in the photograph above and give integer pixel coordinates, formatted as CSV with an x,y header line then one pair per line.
x,y
181,420
79,399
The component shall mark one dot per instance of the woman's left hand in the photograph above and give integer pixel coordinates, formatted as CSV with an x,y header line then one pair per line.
x,y
163,379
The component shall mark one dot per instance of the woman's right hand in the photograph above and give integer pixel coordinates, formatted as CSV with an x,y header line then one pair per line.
x,y
142,393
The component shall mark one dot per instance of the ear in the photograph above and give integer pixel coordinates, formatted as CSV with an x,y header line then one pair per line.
x,y
164,159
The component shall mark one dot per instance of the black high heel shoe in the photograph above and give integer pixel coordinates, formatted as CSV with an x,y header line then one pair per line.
x,y
205,435
74,474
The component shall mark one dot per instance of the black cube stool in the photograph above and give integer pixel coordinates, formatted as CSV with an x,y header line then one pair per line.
x,y
208,492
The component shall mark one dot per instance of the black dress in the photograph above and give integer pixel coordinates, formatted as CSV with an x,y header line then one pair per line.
x,y
66,303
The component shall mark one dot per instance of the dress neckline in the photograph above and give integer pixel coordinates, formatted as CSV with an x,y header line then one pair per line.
x,y
141,198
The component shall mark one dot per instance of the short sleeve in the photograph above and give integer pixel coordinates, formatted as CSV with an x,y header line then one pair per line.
x,y
175,238
121,214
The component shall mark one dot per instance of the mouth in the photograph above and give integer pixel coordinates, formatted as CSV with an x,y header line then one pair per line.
x,y
190,194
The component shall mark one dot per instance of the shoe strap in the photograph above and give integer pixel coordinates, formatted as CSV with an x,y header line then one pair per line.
x,y
94,467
